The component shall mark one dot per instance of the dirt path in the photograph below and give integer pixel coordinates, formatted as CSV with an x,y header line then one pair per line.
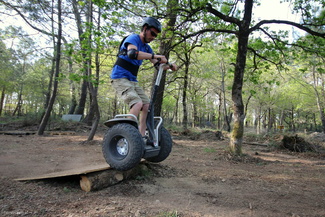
x,y
198,179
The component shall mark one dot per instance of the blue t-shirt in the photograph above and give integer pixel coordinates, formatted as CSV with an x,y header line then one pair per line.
x,y
118,71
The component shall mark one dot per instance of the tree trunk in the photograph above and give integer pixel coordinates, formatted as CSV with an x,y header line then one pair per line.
x,y
196,119
73,100
57,71
164,49
175,112
2,99
95,107
49,87
19,102
83,98
226,124
73,103
292,122
94,88
83,95
271,120
238,106
91,113
184,93
320,103
219,112
51,75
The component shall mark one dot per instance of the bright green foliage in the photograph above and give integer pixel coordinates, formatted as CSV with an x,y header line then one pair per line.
x,y
278,80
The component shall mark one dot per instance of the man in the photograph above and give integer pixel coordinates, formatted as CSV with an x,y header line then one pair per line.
x,y
133,50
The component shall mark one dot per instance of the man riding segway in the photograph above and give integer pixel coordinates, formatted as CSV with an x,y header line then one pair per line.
x,y
122,147
133,50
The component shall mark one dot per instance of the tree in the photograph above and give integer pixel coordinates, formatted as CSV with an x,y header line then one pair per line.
x,y
185,22
227,20
166,47
82,36
311,71
57,72
6,72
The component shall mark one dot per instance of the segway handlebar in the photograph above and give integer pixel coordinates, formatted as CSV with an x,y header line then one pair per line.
x,y
157,64
160,67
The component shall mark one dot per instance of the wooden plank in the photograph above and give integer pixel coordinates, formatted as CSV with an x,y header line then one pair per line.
x,y
71,172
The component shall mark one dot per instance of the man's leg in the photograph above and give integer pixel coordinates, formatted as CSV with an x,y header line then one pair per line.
x,y
144,109
143,119
125,90
136,108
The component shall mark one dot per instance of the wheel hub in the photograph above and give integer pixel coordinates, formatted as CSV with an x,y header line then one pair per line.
x,y
122,147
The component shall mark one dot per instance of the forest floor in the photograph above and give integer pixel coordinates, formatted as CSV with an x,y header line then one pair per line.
x,y
199,178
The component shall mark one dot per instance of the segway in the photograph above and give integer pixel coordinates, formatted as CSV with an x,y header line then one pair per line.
x,y
123,145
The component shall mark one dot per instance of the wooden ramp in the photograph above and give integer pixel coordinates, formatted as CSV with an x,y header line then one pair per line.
x,y
93,177
64,173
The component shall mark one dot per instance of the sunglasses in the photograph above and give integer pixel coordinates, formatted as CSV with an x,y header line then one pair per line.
x,y
153,34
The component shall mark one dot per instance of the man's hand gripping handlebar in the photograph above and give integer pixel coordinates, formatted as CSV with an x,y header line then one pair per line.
x,y
168,64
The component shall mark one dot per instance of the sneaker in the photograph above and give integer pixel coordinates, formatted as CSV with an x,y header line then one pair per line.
x,y
147,141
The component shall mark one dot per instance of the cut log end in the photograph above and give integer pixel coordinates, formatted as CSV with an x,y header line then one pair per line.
x,y
119,177
85,183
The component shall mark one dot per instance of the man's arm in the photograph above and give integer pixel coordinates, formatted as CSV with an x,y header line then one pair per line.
x,y
146,56
140,55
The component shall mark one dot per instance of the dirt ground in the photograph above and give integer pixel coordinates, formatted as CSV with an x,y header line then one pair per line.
x,y
198,179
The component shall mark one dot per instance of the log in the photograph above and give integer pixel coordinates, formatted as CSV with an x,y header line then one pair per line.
x,y
17,133
255,143
103,179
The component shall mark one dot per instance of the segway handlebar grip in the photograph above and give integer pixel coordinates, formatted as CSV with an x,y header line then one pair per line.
x,y
170,65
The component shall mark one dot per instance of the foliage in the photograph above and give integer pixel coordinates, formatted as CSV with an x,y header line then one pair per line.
x,y
280,85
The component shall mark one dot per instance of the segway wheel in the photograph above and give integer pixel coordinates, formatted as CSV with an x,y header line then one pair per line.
x,y
165,144
123,146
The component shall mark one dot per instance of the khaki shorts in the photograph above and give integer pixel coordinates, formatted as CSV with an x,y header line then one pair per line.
x,y
129,91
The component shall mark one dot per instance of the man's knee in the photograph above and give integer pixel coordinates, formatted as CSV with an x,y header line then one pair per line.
x,y
145,107
137,106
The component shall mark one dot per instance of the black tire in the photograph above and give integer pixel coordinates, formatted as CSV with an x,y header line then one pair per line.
x,y
123,146
165,143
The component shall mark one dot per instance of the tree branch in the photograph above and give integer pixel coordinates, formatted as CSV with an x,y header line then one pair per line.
x,y
25,19
226,18
184,37
260,56
297,25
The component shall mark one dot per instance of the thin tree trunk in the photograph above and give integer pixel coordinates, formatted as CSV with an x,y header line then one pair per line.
x,y
292,123
94,88
226,124
19,103
320,106
83,95
73,103
184,93
95,106
46,117
51,74
219,111
2,99
195,116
